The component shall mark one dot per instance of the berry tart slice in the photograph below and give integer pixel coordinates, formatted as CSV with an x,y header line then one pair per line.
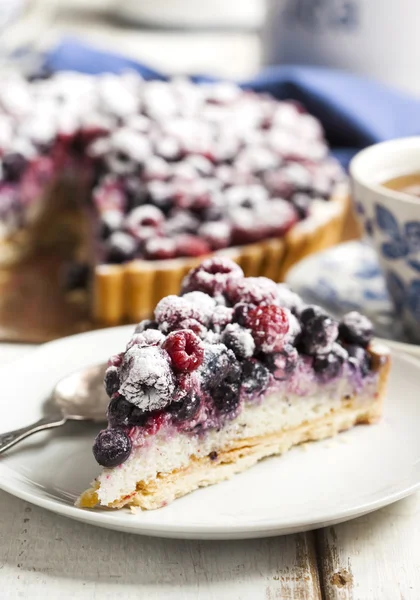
x,y
231,371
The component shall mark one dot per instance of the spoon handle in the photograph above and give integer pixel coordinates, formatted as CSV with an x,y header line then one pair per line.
x,y
10,438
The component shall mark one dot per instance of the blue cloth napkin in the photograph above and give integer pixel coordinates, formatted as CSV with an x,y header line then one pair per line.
x,y
355,111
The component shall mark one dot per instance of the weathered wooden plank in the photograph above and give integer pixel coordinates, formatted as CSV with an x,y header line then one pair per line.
x,y
46,556
375,557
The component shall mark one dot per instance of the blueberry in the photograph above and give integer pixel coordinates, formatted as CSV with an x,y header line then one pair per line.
x,y
240,312
301,202
111,381
360,359
112,447
216,365
328,366
226,397
119,411
283,363
255,377
186,408
13,166
239,340
355,329
319,331
121,247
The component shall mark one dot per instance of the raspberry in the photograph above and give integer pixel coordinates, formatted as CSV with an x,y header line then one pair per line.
x,y
287,298
355,329
222,316
116,360
212,276
194,325
319,331
269,325
185,349
252,290
149,337
145,324
112,380
216,234
255,377
112,447
239,340
146,379
191,245
144,216
120,247
156,248
282,364
172,310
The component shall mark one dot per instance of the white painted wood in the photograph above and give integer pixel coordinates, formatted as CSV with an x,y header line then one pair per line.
x,y
376,557
49,557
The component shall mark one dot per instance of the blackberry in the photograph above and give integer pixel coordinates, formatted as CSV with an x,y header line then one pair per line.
x,y
186,408
328,366
354,328
119,412
360,359
226,397
255,377
282,364
319,331
112,381
112,447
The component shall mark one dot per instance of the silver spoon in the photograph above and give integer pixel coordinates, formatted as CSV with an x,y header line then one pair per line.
x,y
78,397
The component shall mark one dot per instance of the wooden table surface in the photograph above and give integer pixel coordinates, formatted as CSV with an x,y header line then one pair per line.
x,y
45,556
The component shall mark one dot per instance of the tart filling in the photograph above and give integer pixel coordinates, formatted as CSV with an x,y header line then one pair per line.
x,y
232,370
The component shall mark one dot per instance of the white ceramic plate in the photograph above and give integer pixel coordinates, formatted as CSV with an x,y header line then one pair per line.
x,y
311,486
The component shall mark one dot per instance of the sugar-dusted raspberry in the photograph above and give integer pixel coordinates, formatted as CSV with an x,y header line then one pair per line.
x,y
221,316
172,310
255,377
191,245
185,349
146,324
281,217
111,380
159,248
283,364
116,360
252,290
146,378
144,216
269,325
319,331
212,276
149,337
216,233
355,328
194,325
112,447
239,340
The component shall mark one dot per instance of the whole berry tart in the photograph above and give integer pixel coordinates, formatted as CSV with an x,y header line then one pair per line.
x,y
233,370
137,180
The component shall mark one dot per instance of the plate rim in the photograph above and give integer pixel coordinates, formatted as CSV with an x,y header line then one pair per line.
x,y
9,482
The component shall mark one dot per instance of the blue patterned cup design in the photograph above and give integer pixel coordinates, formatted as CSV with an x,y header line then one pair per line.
x,y
391,221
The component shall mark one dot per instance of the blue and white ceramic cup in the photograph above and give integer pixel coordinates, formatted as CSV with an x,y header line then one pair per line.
x,y
391,220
